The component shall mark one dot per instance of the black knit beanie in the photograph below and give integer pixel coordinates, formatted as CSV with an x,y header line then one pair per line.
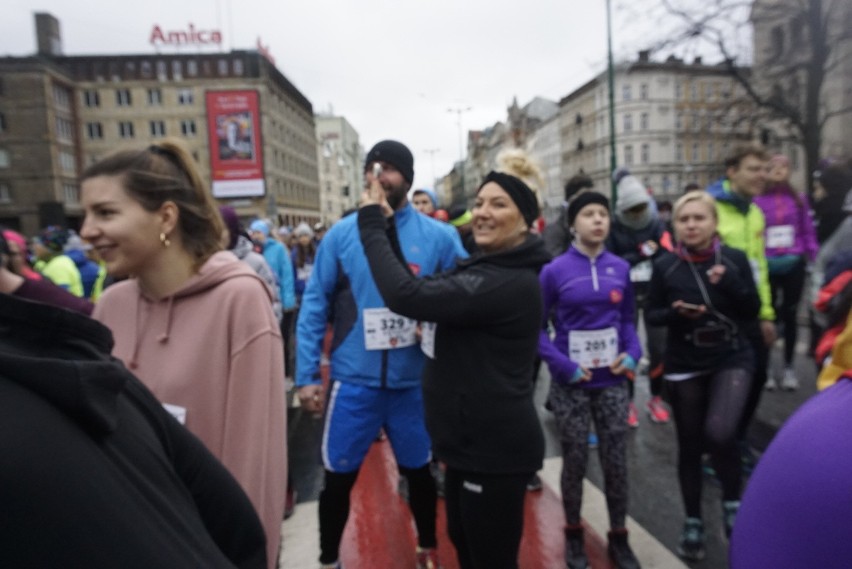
x,y
582,201
394,153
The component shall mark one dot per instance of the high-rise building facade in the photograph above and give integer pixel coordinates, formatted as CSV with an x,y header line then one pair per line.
x,y
250,129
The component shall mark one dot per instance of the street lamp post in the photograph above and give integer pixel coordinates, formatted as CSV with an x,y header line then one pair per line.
x,y
611,83
459,111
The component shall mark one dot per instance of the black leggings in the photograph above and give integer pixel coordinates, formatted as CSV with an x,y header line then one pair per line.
x,y
574,408
334,508
707,410
485,517
786,293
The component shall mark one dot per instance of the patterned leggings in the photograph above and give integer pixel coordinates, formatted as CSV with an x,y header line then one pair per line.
x,y
574,407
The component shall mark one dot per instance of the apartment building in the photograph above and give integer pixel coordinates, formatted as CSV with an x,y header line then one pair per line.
x,y
250,129
341,166
674,123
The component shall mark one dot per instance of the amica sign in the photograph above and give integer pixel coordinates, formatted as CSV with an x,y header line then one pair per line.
x,y
185,37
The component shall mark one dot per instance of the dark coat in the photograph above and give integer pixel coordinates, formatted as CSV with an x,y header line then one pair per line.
x,y
93,471
478,387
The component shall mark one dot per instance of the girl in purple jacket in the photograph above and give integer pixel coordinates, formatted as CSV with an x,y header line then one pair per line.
x,y
791,243
588,297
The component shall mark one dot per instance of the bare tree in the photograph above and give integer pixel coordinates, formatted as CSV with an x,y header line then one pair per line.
x,y
796,45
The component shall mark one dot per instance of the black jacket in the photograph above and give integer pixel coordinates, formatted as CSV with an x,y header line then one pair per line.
x,y
94,473
734,296
625,242
478,390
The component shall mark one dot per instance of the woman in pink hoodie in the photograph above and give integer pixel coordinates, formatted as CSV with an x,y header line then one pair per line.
x,y
192,322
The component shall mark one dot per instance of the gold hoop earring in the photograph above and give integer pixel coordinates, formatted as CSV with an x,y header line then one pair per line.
x,y
164,240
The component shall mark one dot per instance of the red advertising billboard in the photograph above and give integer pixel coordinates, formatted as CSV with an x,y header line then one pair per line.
x,y
233,127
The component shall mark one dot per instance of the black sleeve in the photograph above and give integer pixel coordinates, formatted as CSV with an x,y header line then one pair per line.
x,y
738,283
456,297
658,312
224,507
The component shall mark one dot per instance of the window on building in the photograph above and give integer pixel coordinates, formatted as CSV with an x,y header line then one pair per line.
x,y
61,97
696,153
158,128
679,152
693,91
223,67
643,121
187,127
125,129
711,152
94,130
628,154
145,69
679,121
155,97
645,155
696,121
238,67
122,98
64,129
71,193
628,122
177,70
678,90
643,91
162,71
625,92
192,68
5,193
67,163
776,42
186,97
4,158
91,98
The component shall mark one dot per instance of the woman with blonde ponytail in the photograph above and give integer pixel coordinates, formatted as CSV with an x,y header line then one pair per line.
x,y
480,335
192,322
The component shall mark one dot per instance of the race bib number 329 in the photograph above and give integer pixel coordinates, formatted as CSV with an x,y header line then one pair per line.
x,y
386,330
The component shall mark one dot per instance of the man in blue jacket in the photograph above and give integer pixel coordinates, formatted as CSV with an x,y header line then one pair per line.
x,y
278,260
376,359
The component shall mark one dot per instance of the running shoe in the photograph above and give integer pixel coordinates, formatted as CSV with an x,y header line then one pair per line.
x,y
789,382
619,550
691,544
729,515
335,565
657,410
632,416
427,558
593,439
771,384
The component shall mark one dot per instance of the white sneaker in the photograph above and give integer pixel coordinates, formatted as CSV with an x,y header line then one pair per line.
x,y
789,382
771,384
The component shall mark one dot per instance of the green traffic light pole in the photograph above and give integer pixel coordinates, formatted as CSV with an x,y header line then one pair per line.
x,y
611,82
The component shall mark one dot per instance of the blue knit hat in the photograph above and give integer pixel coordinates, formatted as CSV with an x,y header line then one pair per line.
x,y
260,226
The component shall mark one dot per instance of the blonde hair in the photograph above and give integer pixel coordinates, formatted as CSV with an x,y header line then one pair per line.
x,y
699,196
516,162
166,171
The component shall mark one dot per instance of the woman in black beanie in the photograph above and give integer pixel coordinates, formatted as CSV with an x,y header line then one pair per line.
x,y
480,327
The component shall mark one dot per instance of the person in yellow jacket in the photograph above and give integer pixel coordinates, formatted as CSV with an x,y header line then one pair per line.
x,y
741,226
55,265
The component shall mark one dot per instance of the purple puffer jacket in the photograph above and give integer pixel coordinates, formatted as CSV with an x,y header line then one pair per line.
x,y
781,207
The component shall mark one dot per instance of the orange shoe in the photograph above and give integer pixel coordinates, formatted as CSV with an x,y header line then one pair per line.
x,y
632,416
657,410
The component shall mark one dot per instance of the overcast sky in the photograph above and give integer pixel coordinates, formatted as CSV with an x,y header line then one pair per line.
x,y
393,69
